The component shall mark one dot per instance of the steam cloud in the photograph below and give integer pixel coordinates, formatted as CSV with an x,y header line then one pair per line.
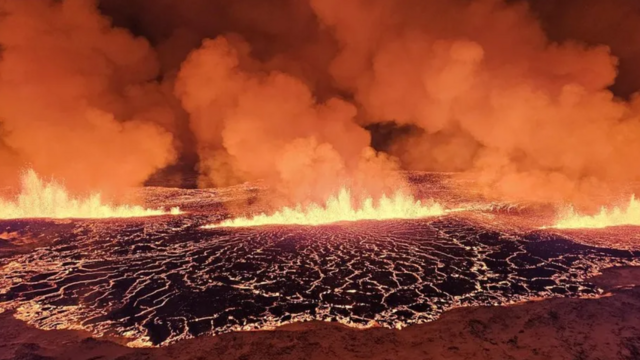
x,y
252,124
282,91
77,97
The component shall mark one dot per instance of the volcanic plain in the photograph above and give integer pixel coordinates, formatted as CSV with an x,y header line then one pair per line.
x,y
482,282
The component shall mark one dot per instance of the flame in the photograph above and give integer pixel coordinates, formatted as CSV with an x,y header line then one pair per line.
x,y
40,199
630,215
340,208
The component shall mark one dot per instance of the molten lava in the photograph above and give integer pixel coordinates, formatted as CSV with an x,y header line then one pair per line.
x,y
341,208
40,199
630,215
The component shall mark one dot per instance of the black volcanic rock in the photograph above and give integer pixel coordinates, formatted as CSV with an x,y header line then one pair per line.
x,y
166,279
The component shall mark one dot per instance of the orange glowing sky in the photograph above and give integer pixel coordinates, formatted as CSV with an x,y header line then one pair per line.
x,y
311,95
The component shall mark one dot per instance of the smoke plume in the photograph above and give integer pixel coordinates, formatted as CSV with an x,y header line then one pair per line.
x,y
251,123
77,97
524,96
492,95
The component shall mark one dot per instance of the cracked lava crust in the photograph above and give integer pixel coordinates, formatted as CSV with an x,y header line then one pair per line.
x,y
158,280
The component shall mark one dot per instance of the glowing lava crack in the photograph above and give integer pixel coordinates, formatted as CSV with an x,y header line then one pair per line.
x,y
161,281
341,208
39,199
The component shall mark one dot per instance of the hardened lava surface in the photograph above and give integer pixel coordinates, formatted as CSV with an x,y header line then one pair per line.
x,y
157,281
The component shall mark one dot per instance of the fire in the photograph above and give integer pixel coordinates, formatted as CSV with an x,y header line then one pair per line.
x,y
40,199
341,208
630,215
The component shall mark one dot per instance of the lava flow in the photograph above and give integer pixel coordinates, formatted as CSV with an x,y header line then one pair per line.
x,y
630,215
40,199
341,208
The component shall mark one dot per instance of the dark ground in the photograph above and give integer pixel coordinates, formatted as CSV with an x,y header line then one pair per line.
x,y
154,275
159,281
603,328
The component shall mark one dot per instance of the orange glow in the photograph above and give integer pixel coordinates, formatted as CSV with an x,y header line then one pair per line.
x,y
341,208
630,215
40,199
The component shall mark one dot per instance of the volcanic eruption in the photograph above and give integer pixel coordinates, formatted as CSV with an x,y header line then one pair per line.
x,y
616,216
368,162
39,199
106,116
339,209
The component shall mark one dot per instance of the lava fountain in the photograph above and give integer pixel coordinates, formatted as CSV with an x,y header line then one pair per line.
x,y
40,199
341,208
629,215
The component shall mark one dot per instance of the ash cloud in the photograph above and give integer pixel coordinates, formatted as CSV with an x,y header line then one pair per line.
x,y
523,96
